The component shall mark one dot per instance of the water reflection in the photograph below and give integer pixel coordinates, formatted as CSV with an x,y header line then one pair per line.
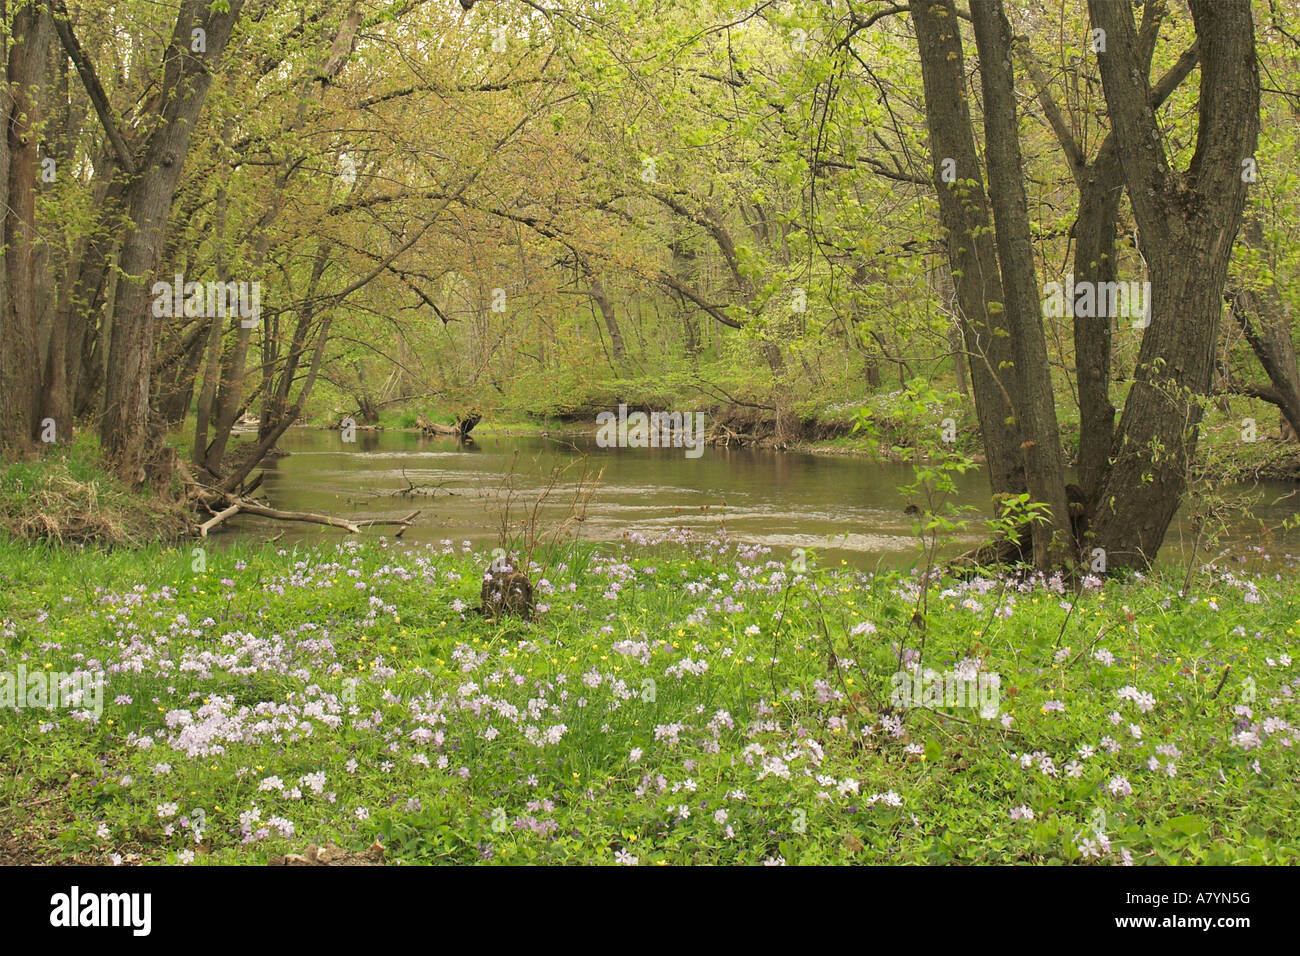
x,y
847,508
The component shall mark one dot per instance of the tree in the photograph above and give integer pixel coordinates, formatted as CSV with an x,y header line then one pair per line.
x,y
1035,403
1187,222
20,367
198,39
963,210
1100,186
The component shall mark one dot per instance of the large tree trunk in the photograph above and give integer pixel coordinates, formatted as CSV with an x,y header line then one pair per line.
x,y
1100,191
1035,402
964,213
84,293
1187,223
20,365
187,77
1101,186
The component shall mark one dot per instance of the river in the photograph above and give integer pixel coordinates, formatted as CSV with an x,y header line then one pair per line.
x,y
847,508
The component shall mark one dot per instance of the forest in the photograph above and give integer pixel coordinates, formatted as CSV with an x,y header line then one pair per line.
x,y
660,431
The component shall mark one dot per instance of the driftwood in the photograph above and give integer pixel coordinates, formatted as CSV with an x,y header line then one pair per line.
x,y
412,489
216,519
461,429
720,434
404,522
253,508
225,506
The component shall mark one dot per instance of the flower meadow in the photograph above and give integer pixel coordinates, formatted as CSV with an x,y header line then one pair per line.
x,y
673,701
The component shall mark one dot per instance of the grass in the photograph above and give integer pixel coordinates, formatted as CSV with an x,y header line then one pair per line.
x,y
67,497
683,701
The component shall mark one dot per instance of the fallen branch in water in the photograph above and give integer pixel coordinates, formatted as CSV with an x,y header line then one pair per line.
x,y
216,519
412,489
309,517
461,429
224,506
404,522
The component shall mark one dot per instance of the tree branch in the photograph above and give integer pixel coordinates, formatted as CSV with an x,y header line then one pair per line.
x,y
86,70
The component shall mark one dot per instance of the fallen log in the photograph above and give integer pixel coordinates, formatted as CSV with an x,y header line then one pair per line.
x,y
240,505
252,508
216,519
222,505
461,429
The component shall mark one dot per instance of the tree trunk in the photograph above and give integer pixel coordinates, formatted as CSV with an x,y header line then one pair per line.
x,y
84,290
239,472
1187,222
1100,192
597,291
1101,186
1035,401
973,261
205,406
177,371
20,365
124,430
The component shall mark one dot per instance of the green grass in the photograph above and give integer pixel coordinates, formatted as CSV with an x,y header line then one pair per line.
x,y
730,713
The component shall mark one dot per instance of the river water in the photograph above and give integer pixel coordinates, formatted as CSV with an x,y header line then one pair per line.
x,y
847,508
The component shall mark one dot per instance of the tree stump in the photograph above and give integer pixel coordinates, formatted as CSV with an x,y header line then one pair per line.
x,y
506,593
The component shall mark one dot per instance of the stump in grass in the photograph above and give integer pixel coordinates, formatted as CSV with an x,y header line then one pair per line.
x,y
331,855
506,593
